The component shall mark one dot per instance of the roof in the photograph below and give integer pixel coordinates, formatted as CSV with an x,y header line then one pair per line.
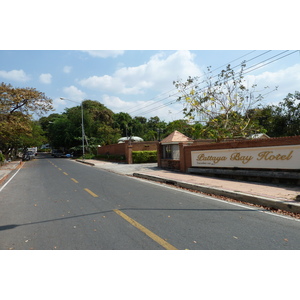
x,y
175,138
131,138
259,136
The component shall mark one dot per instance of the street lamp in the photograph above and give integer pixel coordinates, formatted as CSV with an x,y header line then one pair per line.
x,y
82,126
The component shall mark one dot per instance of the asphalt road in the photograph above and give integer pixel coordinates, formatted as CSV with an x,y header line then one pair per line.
x,y
56,203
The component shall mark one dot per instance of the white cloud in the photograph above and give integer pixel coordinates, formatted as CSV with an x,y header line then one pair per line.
x,y
73,93
46,78
141,108
16,75
104,53
58,104
67,69
116,104
105,83
287,81
157,74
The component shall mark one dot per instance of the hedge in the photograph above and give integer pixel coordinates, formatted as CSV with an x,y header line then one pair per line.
x,y
139,157
110,157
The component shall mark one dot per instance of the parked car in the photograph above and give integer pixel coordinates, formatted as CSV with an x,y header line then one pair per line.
x,y
31,154
25,157
28,155
57,153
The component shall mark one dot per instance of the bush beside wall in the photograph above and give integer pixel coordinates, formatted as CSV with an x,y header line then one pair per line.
x,y
111,157
140,157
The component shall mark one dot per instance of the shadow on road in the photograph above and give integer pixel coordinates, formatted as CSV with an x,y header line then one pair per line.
x,y
12,226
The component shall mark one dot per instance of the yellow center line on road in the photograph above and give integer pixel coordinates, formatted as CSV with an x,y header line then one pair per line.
x,y
59,169
65,173
149,233
91,193
74,180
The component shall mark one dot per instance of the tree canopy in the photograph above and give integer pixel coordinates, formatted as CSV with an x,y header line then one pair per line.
x,y
16,108
226,106
282,119
222,102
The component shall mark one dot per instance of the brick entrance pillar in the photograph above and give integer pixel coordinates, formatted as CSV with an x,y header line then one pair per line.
x,y
128,153
159,154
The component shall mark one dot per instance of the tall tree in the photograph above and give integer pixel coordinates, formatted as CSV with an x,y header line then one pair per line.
x,y
65,130
181,125
16,108
282,119
155,129
222,102
139,126
24,100
60,132
289,110
35,139
123,122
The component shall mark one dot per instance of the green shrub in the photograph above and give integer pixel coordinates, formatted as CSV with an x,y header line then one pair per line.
x,y
2,157
140,157
88,156
110,157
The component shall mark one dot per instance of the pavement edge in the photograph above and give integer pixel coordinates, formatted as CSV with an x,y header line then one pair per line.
x,y
2,179
272,203
85,162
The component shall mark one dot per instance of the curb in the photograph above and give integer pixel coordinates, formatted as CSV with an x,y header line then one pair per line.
x,y
3,178
8,174
85,162
263,201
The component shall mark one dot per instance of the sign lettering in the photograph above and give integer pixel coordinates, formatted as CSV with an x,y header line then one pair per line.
x,y
278,157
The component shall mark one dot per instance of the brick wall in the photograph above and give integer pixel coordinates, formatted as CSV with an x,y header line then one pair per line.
x,y
144,146
170,164
115,149
185,161
119,149
127,148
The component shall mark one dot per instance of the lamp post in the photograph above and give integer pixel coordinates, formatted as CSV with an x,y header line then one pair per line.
x,y
82,126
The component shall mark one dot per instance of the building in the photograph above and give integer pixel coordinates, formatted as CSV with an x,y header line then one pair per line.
x,y
169,152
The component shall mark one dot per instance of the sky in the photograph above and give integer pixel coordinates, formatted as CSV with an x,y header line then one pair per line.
x,y
140,82
140,47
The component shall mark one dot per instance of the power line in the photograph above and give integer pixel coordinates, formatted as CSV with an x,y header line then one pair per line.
x,y
250,69
158,107
260,66
172,102
152,103
136,109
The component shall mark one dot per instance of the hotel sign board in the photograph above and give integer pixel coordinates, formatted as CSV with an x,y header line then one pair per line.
x,y
276,157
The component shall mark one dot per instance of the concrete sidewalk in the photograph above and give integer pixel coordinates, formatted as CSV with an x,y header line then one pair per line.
x,y
7,168
281,197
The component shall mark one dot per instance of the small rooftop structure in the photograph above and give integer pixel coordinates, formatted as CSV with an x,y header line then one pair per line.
x,y
259,136
170,145
175,137
131,138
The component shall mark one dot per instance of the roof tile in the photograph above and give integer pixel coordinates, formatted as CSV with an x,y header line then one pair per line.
x,y
175,137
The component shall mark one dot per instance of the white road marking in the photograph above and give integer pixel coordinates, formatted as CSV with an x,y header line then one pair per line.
x,y
9,180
